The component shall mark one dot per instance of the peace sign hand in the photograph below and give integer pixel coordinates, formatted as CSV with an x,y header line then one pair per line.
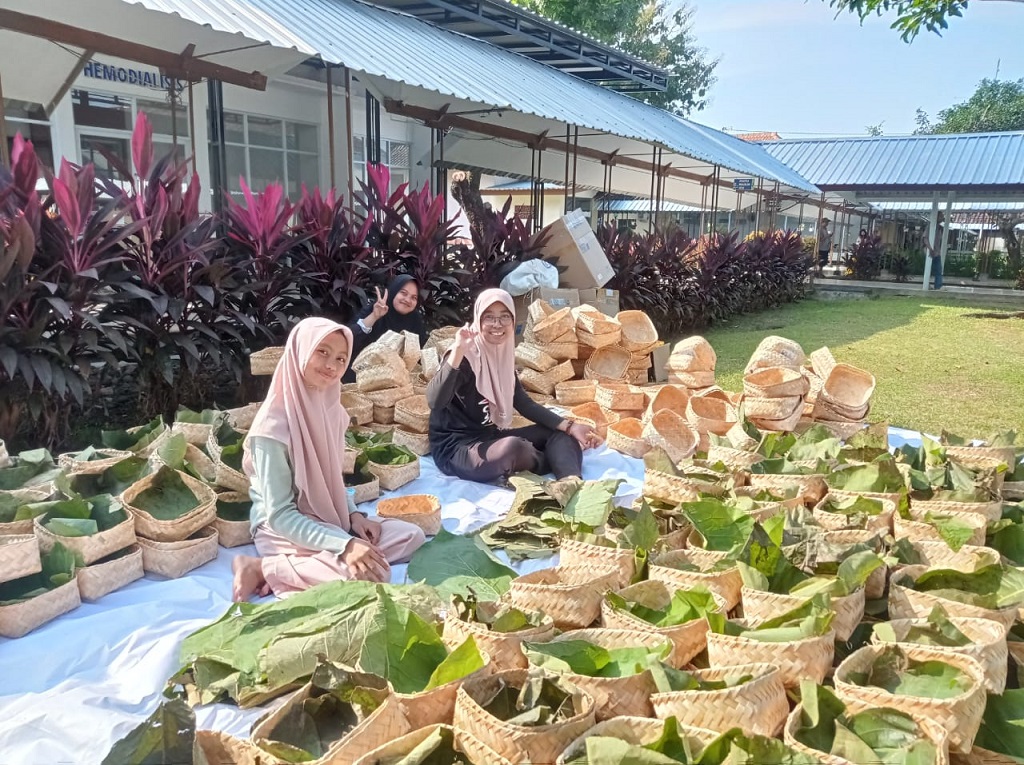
x,y
380,308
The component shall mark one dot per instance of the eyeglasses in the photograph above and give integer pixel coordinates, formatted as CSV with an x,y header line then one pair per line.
x,y
501,320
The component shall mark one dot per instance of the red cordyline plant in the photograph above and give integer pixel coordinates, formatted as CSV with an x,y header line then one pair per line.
x,y
50,333
500,240
269,284
168,297
336,254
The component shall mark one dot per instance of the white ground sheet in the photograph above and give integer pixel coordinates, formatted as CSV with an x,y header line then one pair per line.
x,y
73,687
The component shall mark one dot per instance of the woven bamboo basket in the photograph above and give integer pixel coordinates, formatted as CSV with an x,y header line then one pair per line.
x,y
906,603
175,559
419,385
520,744
768,360
710,414
19,619
537,311
725,584
589,340
561,351
772,408
430,363
194,432
26,496
821,362
441,338
620,397
541,398
672,432
987,646
668,488
242,418
387,370
438,704
687,639
589,319
358,406
693,354
411,349
571,598
532,357
967,558
393,477
758,706
810,658
827,409
874,587
92,547
224,475
626,437
19,556
423,510
838,522
847,386
103,578
203,514
382,415
504,648
265,362
597,561
638,731
979,756
608,365
990,511
348,461
811,487
785,425
575,392
893,497
413,413
760,606
367,491
554,325
920,531
73,466
1013,490
476,752
638,332
982,456
782,346
233,533
775,382
537,382
929,729
616,696
417,443
691,380
592,414
672,397
734,459
384,724
17,528
960,715
640,363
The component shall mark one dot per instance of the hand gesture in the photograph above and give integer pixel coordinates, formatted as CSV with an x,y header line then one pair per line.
x,y
465,339
366,562
585,434
380,308
364,528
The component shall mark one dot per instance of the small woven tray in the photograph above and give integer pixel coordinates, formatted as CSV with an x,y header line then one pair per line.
x,y
175,559
608,365
92,547
265,362
19,556
571,598
203,514
393,477
21,618
103,578
423,510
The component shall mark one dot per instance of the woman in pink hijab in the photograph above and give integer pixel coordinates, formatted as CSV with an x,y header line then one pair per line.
x,y
474,396
305,524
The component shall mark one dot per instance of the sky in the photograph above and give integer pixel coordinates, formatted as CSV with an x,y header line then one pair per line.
x,y
793,67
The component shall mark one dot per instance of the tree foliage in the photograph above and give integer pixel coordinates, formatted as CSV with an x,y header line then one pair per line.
x,y
656,31
912,16
996,105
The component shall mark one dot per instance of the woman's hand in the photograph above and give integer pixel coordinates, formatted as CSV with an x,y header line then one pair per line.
x,y
463,342
585,434
364,528
380,308
366,562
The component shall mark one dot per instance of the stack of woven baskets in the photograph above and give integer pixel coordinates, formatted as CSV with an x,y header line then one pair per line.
x,y
383,375
774,385
549,348
839,395
692,363
19,558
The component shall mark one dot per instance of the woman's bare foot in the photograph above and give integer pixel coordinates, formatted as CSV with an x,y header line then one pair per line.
x,y
248,578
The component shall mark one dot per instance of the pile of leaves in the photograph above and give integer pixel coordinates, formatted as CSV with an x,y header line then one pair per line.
x,y
893,671
540,700
58,568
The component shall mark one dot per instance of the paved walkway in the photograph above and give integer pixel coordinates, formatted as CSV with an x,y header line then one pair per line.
x,y
956,290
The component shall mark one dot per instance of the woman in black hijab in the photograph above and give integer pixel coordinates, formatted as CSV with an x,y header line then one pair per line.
x,y
397,309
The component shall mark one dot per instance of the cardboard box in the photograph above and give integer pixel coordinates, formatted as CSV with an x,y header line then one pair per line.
x,y
660,359
572,245
605,301
557,298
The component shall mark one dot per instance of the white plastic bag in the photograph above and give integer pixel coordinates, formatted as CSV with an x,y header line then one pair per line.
x,y
530,275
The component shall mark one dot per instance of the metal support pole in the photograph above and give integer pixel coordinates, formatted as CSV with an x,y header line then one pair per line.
x,y
192,125
218,155
933,222
533,187
5,156
760,204
565,185
174,114
442,171
330,123
540,186
650,200
575,159
348,134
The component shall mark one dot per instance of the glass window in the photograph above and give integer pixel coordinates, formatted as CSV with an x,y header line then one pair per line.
x,y
265,167
234,127
236,168
31,122
301,137
101,110
264,132
160,117
96,149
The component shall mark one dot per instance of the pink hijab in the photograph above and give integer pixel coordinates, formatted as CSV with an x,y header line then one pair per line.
x,y
310,423
494,365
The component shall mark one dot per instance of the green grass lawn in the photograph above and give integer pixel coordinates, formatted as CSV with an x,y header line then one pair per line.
x,y
936,366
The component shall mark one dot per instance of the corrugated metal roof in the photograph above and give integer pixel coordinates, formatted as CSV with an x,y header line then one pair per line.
x,y
977,159
642,206
522,186
894,206
400,48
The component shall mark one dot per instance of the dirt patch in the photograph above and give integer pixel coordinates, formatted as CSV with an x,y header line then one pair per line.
x,y
994,315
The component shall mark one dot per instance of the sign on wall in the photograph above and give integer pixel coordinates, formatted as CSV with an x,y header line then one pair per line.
x,y
742,184
130,76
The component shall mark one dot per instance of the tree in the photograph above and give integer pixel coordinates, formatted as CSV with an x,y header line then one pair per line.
x,y
996,105
911,15
656,31
874,130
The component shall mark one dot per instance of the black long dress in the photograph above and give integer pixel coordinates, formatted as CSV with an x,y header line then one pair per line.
x,y
465,443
